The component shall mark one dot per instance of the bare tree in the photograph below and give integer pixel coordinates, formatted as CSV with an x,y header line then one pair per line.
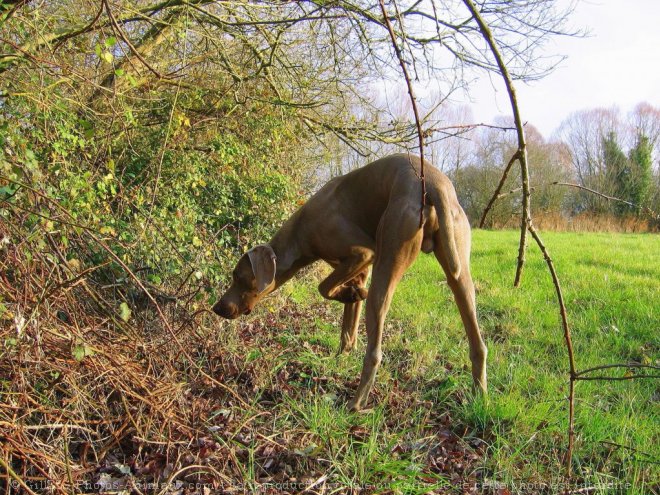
x,y
645,120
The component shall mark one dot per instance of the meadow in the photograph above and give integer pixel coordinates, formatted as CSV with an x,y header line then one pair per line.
x,y
425,431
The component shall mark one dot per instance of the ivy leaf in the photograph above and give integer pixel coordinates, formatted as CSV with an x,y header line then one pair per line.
x,y
124,311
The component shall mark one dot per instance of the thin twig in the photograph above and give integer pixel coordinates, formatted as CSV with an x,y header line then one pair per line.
x,y
413,102
82,30
122,35
622,365
653,214
569,346
496,194
632,449
614,378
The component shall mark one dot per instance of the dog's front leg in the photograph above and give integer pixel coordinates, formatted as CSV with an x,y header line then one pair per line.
x,y
341,285
351,320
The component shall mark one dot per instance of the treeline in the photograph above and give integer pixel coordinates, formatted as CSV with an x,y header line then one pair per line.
x,y
599,165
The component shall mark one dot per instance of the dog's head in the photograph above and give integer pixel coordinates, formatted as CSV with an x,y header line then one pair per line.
x,y
252,279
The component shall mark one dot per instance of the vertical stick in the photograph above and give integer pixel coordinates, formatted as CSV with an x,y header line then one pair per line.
x,y
522,145
497,190
526,221
569,348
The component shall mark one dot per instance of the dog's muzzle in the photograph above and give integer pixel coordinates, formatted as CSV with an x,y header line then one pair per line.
x,y
229,310
226,310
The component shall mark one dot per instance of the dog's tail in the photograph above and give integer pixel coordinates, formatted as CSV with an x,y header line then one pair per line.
x,y
445,237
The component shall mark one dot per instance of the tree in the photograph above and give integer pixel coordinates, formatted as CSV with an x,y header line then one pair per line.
x,y
641,162
617,172
584,133
610,154
645,120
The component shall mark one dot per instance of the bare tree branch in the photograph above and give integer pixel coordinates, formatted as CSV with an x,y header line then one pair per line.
x,y
522,145
650,212
496,194
411,94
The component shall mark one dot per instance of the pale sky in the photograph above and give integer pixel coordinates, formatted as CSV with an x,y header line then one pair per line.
x,y
618,64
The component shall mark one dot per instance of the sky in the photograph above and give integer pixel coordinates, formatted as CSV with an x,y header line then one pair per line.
x,y
617,64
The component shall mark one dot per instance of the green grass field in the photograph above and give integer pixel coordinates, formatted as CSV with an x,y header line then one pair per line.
x,y
425,431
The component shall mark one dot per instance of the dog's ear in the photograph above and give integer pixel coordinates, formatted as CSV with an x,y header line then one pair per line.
x,y
262,259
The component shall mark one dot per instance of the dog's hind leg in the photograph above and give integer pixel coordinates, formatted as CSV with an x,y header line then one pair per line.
x,y
464,295
399,241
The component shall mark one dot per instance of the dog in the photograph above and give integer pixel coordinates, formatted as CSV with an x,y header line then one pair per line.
x,y
370,216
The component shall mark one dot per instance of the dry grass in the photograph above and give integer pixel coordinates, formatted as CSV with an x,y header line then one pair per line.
x,y
586,222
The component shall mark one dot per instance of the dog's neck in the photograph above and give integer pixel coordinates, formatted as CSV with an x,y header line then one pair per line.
x,y
289,258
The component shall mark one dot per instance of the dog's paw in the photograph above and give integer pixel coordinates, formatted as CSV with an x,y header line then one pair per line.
x,y
353,405
346,347
352,294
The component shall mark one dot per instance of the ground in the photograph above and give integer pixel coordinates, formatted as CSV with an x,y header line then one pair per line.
x,y
263,406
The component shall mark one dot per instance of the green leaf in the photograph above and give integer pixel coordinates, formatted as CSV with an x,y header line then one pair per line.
x,y
6,192
108,57
80,351
111,41
124,311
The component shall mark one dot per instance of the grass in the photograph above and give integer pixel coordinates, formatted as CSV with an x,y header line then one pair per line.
x,y
612,289
611,285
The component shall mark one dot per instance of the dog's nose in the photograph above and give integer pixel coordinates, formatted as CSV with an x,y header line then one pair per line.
x,y
225,309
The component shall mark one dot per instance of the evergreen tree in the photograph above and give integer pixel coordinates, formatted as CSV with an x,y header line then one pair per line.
x,y
618,172
641,160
